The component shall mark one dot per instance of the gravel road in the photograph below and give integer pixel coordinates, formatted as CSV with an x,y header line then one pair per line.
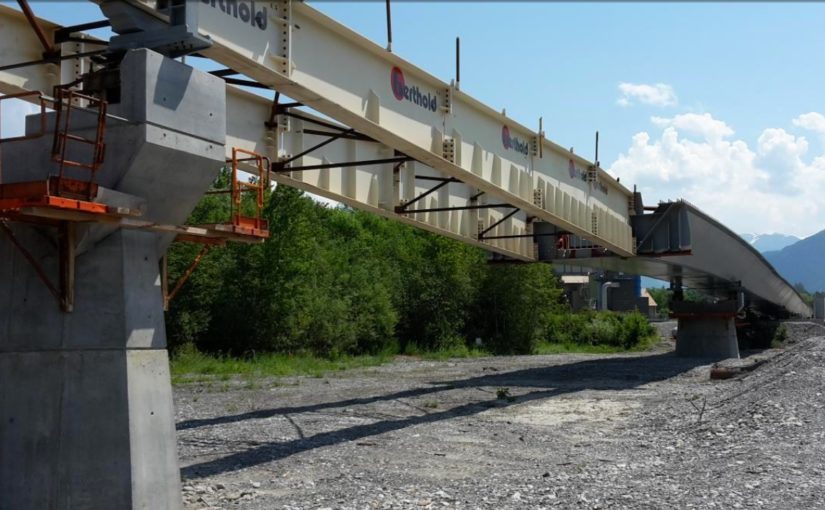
x,y
632,431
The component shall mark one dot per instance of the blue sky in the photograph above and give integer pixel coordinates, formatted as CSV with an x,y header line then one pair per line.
x,y
717,103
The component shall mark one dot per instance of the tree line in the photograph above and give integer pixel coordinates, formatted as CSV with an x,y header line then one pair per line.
x,y
335,281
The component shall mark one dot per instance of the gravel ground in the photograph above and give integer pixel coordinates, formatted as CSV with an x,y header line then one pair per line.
x,y
631,431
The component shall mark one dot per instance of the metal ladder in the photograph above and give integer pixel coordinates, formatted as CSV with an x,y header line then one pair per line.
x,y
66,101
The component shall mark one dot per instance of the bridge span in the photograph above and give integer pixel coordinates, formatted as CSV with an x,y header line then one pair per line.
x,y
125,141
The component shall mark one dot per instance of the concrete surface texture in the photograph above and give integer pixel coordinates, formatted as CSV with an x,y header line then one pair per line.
x,y
85,398
707,337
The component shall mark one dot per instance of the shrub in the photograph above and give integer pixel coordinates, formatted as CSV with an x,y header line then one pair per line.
x,y
515,307
780,336
636,330
626,331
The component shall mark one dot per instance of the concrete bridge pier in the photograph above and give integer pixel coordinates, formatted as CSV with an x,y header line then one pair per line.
x,y
86,415
706,330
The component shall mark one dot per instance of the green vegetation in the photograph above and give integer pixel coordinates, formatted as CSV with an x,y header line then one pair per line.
x,y
602,329
806,295
569,348
337,288
664,297
504,394
456,351
780,336
189,365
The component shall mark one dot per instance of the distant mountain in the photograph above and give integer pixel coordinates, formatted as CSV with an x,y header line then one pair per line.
x,y
803,261
790,265
769,242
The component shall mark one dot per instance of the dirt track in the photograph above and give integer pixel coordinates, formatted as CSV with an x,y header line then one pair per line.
x,y
581,431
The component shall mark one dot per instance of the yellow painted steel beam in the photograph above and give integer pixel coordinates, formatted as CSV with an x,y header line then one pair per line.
x,y
19,43
304,54
375,188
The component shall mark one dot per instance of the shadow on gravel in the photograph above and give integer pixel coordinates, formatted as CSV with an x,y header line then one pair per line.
x,y
599,374
268,413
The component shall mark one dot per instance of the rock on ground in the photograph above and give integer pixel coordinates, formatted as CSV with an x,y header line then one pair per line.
x,y
570,431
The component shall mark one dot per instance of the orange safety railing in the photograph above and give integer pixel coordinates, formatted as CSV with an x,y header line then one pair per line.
x,y
67,100
30,97
260,164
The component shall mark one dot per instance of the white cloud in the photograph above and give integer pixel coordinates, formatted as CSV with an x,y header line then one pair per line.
x,y
770,187
658,94
812,121
702,125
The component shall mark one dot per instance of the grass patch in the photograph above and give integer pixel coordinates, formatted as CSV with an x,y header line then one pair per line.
x,y
575,348
189,365
592,333
572,348
455,351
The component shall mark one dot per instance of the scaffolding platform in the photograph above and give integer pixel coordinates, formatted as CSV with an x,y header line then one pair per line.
x,y
37,202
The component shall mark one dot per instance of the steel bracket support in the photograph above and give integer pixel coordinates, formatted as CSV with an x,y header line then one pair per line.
x,y
168,296
63,292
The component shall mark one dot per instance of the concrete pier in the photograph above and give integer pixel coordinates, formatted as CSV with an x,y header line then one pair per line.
x,y
86,416
706,330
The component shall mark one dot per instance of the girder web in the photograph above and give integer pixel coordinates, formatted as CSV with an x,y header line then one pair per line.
x,y
283,166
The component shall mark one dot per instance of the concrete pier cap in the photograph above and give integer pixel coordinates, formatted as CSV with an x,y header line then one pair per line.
x,y
86,416
706,330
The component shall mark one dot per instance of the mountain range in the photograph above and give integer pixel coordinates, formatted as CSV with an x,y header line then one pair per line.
x,y
802,262
769,242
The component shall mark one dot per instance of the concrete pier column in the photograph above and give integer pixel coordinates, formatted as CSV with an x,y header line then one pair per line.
x,y
706,330
86,415
86,418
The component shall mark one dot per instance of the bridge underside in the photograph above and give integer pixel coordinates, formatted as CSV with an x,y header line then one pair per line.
x,y
679,243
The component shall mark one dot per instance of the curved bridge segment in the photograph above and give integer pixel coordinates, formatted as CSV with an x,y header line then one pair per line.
x,y
680,243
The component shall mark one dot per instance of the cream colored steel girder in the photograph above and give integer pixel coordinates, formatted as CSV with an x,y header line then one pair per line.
x,y
18,43
375,188
304,54
572,204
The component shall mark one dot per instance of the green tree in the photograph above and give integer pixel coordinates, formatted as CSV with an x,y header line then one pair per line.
x,y
516,307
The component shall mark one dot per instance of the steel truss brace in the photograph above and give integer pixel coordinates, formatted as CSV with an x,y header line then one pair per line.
x,y
443,181
66,34
227,74
342,132
337,133
52,60
401,209
497,223
334,132
520,236
398,159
